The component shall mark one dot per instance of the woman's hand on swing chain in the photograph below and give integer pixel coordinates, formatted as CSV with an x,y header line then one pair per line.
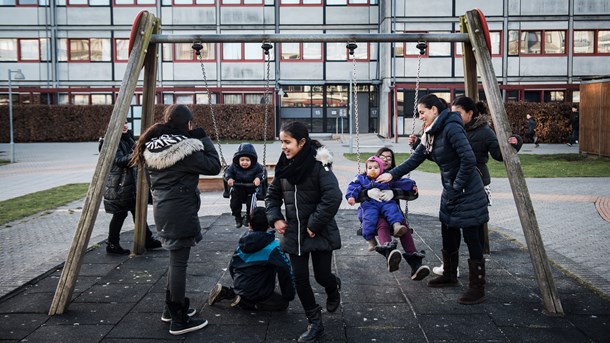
x,y
384,178
280,226
310,233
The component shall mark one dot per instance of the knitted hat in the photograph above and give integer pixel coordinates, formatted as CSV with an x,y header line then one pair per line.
x,y
379,161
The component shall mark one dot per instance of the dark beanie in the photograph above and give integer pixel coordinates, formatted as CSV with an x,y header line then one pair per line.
x,y
258,219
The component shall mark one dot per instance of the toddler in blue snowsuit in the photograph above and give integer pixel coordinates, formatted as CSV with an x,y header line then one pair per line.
x,y
371,209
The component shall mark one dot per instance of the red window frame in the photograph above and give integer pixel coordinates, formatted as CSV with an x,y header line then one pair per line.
x,y
302,59
595,43
19,55
543,44
69,50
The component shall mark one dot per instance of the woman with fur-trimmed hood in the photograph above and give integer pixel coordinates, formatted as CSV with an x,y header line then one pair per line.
x,y
306,185
174,155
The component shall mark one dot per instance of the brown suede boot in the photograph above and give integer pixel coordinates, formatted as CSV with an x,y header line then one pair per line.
x,y
449,277
475,294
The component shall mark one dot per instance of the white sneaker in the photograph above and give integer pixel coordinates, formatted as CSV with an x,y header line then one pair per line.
x,y
439,270
372,244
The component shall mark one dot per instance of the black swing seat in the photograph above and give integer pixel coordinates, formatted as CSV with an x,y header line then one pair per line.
x,y
261,190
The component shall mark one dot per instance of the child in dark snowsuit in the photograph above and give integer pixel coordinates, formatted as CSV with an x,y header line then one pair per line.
x,y
244,169
255,263
372,209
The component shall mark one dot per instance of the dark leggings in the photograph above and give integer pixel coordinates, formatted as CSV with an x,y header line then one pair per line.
x,y
116,224
321,262
176,275
472,236
240,195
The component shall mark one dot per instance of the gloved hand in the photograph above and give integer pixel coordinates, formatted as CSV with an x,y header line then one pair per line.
x,y
198,133
386,195
375,194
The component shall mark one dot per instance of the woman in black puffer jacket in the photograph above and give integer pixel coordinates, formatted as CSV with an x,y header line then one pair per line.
x,y
120,194
307,187
174,158
463,201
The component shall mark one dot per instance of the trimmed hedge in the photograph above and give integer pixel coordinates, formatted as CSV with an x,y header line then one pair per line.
x,y
72,123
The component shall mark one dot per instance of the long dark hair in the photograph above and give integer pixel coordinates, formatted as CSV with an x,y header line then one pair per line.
x,y
468,104
386,149
298,131
430,100
176,120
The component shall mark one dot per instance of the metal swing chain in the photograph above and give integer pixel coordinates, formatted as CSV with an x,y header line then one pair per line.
x,y
197,47
352,47
422,50
266,47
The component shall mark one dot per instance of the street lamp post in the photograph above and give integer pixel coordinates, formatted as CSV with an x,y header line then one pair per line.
x,y
18,76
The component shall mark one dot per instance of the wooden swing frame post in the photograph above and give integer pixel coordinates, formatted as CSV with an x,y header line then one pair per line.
x,y
144,53
476,31
71,269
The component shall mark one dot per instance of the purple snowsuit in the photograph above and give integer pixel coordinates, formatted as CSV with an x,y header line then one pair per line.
x,y
370,210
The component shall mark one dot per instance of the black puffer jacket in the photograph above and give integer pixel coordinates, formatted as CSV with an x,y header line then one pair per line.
x,y
239,174
256,262
463,202
484,142
174,163
120,189
311,204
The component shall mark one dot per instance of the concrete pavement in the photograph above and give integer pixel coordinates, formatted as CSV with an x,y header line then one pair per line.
x,y
576,237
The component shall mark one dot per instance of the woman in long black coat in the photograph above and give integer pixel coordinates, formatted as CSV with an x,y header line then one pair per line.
x,y
463,201
120,194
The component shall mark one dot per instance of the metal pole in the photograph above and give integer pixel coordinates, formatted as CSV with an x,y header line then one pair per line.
x,y
10,115
319,37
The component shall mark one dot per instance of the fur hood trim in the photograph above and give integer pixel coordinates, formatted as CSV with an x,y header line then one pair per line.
x,y
481,120
323,155
172,152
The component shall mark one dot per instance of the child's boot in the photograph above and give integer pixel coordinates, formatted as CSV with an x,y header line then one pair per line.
x,y
414,259
391,254
399,229
238,221
372,243
450,265
220,292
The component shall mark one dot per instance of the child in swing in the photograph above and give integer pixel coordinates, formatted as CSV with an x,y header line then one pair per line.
x,y
244,169
385,206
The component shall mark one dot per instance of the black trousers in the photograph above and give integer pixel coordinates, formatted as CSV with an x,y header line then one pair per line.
x,y
176,275
321,262
240,195
472,236
116,223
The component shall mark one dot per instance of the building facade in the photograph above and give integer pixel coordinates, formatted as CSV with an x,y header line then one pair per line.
x,y
75,52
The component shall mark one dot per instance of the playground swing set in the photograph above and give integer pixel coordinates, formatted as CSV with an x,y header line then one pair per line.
x,y
143,53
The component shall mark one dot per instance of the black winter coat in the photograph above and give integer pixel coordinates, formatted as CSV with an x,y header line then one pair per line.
x,y
311,204
173,163
255,263
484,142
239,174
120,188
464,201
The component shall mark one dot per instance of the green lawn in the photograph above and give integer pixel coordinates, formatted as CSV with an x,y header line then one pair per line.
x,y
539,166
27,205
